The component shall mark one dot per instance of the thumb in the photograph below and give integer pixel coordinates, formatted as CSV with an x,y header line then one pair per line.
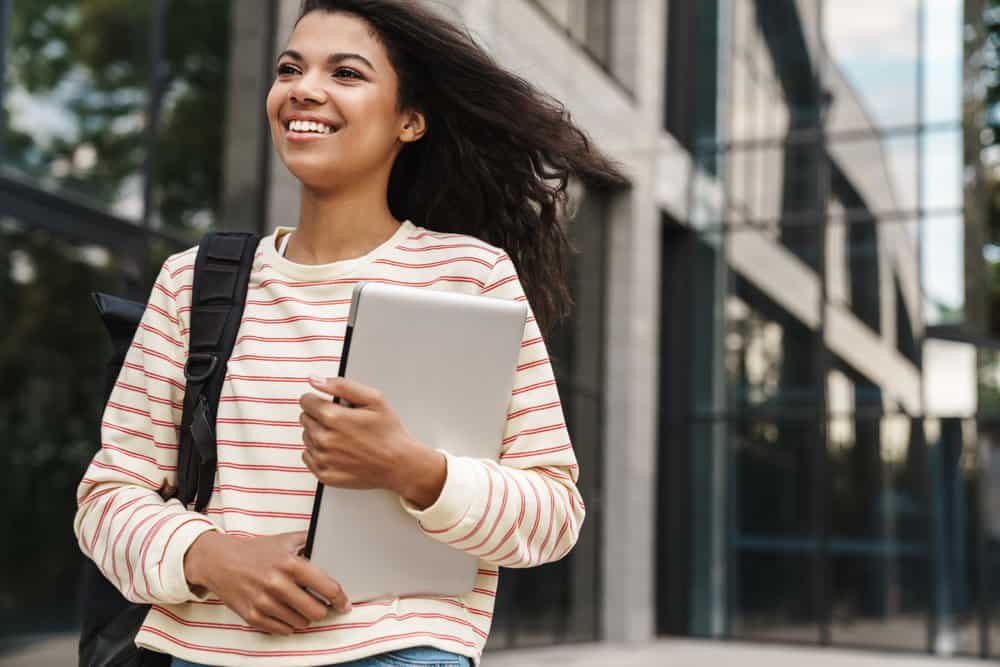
x,y
294,542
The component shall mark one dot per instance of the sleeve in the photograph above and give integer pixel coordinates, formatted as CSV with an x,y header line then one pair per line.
x,y
526,509
137,540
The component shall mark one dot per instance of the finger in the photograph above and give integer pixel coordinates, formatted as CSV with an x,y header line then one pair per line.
x,y
311,577
303,603
294,541
325,413
278,610
355,393
262,621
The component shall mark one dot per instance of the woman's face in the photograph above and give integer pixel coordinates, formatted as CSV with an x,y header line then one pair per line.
x,y
332,107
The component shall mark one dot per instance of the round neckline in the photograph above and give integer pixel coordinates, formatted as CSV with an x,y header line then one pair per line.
x,y
341,267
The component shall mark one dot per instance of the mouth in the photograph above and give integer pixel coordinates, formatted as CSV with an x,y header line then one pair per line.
x,y
298,130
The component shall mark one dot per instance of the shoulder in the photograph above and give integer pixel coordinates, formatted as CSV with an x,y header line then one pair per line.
x,y
431,244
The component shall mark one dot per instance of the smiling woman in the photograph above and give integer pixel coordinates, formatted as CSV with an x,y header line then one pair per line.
x,y
421,163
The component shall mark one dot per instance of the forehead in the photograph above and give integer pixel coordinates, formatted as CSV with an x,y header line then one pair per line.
x,y
321,33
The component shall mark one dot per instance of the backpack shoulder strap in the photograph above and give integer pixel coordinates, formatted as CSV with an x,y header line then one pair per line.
x,y
221,277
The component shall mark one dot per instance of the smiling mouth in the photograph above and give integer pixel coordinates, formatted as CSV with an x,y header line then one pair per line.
x,y
309,127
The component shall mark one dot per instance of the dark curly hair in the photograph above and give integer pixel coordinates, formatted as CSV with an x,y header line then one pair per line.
x,y
498,153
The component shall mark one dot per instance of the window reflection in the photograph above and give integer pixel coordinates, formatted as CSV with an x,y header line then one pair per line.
x,y
51,405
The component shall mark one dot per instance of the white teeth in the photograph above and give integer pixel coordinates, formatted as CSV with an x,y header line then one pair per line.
x,y
309,126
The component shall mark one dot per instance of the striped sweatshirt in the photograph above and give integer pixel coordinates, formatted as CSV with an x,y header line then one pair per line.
x,y
519,512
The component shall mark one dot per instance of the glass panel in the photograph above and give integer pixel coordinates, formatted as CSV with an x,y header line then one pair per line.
x,y
880,602
49,316
989,438
75,99
189,152
872,174
772,597
879,516
942,90
942,262
872,77
941,170
774,179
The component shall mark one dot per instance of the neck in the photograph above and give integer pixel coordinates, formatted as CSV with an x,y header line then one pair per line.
x,y
335,226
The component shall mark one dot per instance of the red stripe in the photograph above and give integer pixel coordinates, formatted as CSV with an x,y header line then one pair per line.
x,y
552,519
128,408
532,387
294,299
263,445
531,341
155,399
450,246
516,524
255,513
128,548
496,522
148,351
144,549
533,431
127,431
499,283
155,376
244,466
488,573
97,531
486,511
485,591
177,272
533,364
533,408
153,330
268,378
118,537
292,339
259,399
294,318
267,357
166,545
537,452
258,422
428,265
162,313
136,455
126,472
107,542
253,489
331,651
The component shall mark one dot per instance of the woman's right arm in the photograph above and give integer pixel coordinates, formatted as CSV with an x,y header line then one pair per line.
x,y
136,538
156,551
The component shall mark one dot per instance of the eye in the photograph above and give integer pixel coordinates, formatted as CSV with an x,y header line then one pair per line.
x,y
351,74
284,69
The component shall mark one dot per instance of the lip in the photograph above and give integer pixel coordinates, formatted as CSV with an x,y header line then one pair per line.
x,y
306,137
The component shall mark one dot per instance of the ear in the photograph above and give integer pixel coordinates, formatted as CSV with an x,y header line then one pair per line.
x,y
414,126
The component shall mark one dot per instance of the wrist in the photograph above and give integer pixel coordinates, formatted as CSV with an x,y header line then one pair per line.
x,y
423,479
196,557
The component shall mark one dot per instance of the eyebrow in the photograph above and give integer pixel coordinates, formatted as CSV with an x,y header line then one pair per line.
x,y
332,59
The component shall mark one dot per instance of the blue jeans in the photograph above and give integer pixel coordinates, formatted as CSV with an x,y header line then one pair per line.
x,y
419,656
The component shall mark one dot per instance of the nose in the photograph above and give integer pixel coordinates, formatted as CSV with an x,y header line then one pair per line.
x,y
306,90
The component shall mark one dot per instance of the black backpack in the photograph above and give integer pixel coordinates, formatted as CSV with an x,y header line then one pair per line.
x,y
109,622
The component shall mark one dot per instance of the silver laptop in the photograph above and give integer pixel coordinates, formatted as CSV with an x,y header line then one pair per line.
x,y
445,362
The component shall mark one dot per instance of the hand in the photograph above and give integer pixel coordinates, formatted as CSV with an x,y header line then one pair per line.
x,y
263,579
365,446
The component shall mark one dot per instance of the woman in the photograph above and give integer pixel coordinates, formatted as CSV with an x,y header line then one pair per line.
x,y
421,162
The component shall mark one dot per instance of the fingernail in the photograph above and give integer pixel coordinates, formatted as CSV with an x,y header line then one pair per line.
x,y
347,607
317,381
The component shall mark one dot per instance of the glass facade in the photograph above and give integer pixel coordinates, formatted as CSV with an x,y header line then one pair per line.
x,y
105,169
836,447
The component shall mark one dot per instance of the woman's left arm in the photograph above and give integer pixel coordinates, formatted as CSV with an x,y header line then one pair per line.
x,y
521,511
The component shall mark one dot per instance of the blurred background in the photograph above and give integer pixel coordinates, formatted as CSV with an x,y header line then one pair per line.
x,y
782,376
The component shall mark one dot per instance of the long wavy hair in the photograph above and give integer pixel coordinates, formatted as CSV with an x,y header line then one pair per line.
x,y
498,153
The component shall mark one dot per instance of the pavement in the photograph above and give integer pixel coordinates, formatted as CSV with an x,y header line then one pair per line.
x,y
60,651
701,653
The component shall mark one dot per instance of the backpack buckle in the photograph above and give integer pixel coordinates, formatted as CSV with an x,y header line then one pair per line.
x,y
200,366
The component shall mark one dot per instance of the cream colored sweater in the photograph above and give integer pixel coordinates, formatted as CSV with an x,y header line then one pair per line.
x,y
521,512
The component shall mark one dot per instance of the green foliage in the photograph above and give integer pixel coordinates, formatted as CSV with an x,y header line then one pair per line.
x,y
92,59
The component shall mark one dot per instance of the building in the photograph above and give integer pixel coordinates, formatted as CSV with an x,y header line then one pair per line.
x,y
779,378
